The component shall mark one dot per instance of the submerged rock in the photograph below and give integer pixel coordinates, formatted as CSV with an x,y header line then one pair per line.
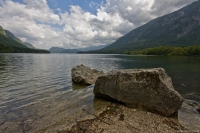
x,y
150,89
194,104
188,116
84,75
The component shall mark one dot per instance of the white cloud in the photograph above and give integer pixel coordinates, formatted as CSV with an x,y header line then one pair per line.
x,y
129,8
36,23
83,28
139,12
31,11
28,21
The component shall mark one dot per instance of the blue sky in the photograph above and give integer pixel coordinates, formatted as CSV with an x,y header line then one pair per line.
x,y
87,5
79,23
84,4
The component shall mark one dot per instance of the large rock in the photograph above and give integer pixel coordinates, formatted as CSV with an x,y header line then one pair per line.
x,y
150,89
84,75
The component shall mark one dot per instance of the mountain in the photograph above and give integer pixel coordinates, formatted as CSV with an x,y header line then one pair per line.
x,y
2,32
29,45
11,44
10,35
62,50
180,28
4,39
93,48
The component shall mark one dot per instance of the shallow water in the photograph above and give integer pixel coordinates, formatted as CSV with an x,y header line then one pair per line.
x,y
36,89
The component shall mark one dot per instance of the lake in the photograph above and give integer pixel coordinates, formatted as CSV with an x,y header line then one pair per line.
x,y
37,94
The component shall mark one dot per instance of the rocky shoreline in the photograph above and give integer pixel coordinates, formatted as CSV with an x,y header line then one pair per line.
x,y
117,118
167,113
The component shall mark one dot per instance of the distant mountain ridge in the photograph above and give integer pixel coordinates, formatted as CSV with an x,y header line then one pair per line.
x,y
11,35
93,48
63,50
180,28
11,44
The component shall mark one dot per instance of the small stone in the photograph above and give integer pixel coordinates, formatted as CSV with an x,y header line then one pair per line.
x,y
197,107
121,118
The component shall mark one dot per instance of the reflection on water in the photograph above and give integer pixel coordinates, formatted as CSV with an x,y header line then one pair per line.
x,y
33,87
184,71
77,86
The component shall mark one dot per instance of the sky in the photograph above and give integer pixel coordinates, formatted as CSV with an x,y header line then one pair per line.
x,y
79,23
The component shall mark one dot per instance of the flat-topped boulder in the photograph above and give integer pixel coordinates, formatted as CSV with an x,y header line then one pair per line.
x,y
85,75
150,89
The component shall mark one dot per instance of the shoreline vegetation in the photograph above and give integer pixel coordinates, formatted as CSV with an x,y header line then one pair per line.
x,y
9,49
168,51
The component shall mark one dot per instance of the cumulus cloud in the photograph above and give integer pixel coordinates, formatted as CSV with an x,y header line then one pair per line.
x,y
30,21
83,28
31,10
167,6
139,12
35,22
129,8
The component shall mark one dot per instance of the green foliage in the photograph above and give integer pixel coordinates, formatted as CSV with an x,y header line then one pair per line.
x,y
5,49
2,31
28,50
10,49
10,42
168,50
10,35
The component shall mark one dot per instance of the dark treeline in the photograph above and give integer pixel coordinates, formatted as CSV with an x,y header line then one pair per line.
x,y
168,50
9,49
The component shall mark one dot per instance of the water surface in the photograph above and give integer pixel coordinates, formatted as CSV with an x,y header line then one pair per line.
x,y
36,89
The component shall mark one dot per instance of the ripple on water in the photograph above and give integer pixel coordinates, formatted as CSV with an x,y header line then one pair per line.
x,y
36,89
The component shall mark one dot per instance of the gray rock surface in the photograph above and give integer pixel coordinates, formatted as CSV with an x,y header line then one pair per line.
x,y
150,89
189,117
85,75
194,104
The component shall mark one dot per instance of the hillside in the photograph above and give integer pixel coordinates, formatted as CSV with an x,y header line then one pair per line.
x,y
11,44
2,32
29,45
180,28
10,35
62,50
